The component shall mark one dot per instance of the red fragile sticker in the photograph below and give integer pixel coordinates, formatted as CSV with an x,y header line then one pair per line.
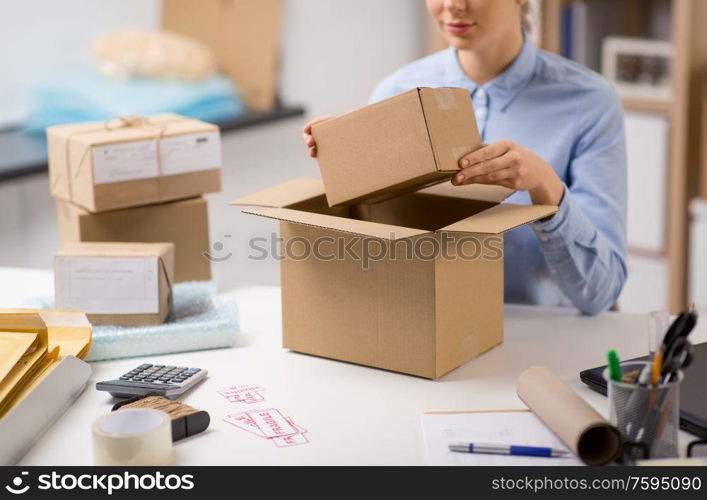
x,y
243,393
270,424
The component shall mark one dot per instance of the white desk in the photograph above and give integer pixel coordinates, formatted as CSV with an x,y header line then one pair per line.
x,y
354,415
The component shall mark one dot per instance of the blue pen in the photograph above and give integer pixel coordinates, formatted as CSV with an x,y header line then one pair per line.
x,y
508,449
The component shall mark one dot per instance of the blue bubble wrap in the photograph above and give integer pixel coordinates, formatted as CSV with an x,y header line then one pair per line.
x,y
199,321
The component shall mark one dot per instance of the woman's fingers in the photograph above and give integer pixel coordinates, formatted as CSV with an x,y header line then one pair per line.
x,y
307,134
503,177
509,159
494,150
308,127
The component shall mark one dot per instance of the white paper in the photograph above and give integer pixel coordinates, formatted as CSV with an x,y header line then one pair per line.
x,y
180,154
511,428
102,285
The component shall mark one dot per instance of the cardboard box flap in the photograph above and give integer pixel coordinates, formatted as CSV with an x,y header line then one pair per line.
x,y
285,194
479,192
364,228
501,218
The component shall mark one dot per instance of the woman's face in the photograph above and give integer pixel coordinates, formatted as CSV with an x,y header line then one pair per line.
x,y
471,24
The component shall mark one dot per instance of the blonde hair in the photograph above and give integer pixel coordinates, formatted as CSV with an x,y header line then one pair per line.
x,y
525,16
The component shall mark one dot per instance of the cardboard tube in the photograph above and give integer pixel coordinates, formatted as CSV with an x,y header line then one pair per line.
x,y
577,424
134,436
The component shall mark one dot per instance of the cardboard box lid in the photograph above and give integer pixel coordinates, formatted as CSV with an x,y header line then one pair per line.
x,y
494,220
163,251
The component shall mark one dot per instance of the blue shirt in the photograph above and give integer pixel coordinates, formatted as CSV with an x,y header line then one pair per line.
x,y
573,119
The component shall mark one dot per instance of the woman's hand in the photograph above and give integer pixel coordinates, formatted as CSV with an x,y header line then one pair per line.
x,y
307,134
505,163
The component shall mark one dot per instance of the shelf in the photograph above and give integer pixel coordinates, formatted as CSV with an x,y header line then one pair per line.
x,y
647,105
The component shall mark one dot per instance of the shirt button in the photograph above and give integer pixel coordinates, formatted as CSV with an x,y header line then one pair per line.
x,y
538,229
544,239
553,270
481,93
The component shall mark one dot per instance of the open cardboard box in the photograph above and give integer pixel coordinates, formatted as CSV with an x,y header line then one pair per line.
x,y
391,301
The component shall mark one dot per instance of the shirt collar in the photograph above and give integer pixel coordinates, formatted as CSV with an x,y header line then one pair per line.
x,y
506,86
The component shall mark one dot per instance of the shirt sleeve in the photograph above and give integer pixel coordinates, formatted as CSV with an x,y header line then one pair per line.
x,y
584,243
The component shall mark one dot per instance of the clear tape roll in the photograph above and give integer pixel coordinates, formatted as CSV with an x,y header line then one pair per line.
x,y
134,436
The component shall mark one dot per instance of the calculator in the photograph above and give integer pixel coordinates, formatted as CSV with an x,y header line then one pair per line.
x,y
163,380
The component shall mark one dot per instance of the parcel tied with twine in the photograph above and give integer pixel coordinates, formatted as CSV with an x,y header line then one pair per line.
x,y
132,161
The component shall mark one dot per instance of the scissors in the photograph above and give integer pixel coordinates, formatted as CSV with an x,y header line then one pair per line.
x,y
678,355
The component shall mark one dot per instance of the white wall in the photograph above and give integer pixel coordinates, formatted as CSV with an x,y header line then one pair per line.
x,y
40,38
333,51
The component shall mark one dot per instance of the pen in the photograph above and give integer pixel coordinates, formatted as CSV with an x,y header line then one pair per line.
x,y
657,367
614,366
508,449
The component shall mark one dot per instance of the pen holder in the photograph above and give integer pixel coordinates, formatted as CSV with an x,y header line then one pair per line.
x,y
646,416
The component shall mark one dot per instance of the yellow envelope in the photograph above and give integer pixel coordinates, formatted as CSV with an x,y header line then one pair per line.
x,y
69,330
12,347
34,359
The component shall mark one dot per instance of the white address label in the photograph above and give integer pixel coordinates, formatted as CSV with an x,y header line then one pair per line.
x,y
133,160
106,285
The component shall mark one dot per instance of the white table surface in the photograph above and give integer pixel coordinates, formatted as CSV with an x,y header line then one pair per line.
x,y
355,415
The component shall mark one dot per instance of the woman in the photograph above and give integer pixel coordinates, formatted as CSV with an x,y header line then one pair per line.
x,y
554,132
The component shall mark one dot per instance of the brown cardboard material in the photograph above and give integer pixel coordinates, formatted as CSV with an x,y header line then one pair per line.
x,y
424,315
396,145
577,424
244,36
184,223
114,180
102,276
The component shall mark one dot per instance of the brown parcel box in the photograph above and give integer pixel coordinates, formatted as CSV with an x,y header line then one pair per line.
x,y
184,223
130,162
396,145
123,284
244,36
420,315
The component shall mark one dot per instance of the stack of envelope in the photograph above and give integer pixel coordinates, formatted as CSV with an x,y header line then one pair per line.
x,y
32,343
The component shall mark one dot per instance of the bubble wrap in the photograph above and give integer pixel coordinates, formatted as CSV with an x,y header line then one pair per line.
x,y
199,321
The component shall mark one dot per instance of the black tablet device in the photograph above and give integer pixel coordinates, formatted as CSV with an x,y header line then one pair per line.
x,y
693,390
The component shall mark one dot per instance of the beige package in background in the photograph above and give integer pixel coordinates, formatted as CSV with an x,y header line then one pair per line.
x,y
185,223
392,301
133,161
396,145
577,424
244,35
122,284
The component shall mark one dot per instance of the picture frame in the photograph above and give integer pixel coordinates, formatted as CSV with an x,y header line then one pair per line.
x,y
639,68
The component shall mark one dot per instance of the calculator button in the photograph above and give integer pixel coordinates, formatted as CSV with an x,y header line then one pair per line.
x,y
194,370
143,367
124,377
